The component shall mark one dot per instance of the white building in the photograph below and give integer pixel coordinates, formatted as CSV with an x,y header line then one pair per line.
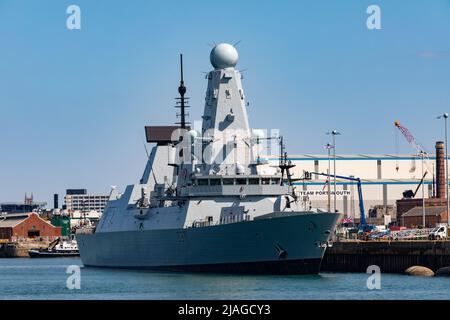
x,y
85,202
84,217
384,177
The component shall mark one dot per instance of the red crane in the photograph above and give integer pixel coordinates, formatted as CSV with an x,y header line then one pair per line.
x,y
412,141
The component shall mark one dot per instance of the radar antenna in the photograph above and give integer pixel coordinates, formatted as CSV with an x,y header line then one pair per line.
x,y
182,100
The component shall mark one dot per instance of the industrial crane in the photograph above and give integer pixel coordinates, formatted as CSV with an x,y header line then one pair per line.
x,y
363,226
411,194
420,151
412,141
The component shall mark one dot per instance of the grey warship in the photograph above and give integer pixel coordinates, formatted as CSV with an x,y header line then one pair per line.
x,y
207,201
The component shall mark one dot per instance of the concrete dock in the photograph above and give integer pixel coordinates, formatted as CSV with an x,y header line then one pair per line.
x,y
20,249
390,256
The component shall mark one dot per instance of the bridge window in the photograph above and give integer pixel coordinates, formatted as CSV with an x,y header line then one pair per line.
x,y
265,181
275,181
241,181
227,182
253,181
214,182
202,182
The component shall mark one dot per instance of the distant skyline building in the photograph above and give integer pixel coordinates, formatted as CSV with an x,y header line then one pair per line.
x,y
28,205
80,200
76,191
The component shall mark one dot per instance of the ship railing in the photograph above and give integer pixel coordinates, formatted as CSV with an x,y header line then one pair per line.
x,y
223,220
234,218
85,231
201,224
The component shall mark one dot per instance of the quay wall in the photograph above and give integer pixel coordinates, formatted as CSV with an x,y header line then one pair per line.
x,y
390,256
20,249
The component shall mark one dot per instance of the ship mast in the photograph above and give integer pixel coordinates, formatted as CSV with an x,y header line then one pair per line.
x,y
182,100
285,166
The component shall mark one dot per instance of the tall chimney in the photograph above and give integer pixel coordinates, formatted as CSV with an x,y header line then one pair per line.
x,y
440,169
55,201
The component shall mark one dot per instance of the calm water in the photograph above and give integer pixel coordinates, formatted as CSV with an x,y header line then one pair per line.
x,y
46,279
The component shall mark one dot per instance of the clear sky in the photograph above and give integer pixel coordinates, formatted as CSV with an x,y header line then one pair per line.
x,y
74,103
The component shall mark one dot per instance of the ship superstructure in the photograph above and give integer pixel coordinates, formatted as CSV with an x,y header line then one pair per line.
x,y
205,201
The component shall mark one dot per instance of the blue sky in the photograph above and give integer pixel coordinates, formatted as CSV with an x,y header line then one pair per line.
x,y
74,103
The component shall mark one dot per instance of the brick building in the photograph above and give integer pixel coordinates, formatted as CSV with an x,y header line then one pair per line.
x,y
433,216
26,225
435,207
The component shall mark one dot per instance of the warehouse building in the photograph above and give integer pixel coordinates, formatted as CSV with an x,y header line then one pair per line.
x,y
384,178
26,225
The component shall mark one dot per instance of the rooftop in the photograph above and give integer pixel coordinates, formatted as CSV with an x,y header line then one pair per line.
x,y
12,219
429,211
385,156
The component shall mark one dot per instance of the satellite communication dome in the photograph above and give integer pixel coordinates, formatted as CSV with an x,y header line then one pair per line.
x,y
223,56
258,133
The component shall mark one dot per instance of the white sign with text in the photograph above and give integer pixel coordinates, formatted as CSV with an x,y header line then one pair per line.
x,y
322,193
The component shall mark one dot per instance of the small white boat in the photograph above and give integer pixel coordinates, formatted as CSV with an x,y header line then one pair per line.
x,y
58,248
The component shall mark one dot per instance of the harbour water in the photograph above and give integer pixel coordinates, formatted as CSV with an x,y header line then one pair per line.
x,y
47,279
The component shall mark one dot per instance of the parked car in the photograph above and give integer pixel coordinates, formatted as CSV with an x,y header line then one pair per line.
x,y
440,232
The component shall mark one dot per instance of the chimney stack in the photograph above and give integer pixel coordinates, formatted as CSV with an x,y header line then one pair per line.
x,y
55,201
440,169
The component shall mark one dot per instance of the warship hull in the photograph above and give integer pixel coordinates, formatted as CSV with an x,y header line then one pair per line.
x,y
291,244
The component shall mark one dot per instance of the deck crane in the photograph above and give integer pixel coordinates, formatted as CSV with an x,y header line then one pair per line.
x,y
363,225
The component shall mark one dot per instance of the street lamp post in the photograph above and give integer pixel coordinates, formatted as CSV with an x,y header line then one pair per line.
x,y
334,133
328,147
445,117
423,193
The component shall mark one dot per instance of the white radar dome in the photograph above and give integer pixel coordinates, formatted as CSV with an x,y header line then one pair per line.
x,y
223,56
193,133
258,133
